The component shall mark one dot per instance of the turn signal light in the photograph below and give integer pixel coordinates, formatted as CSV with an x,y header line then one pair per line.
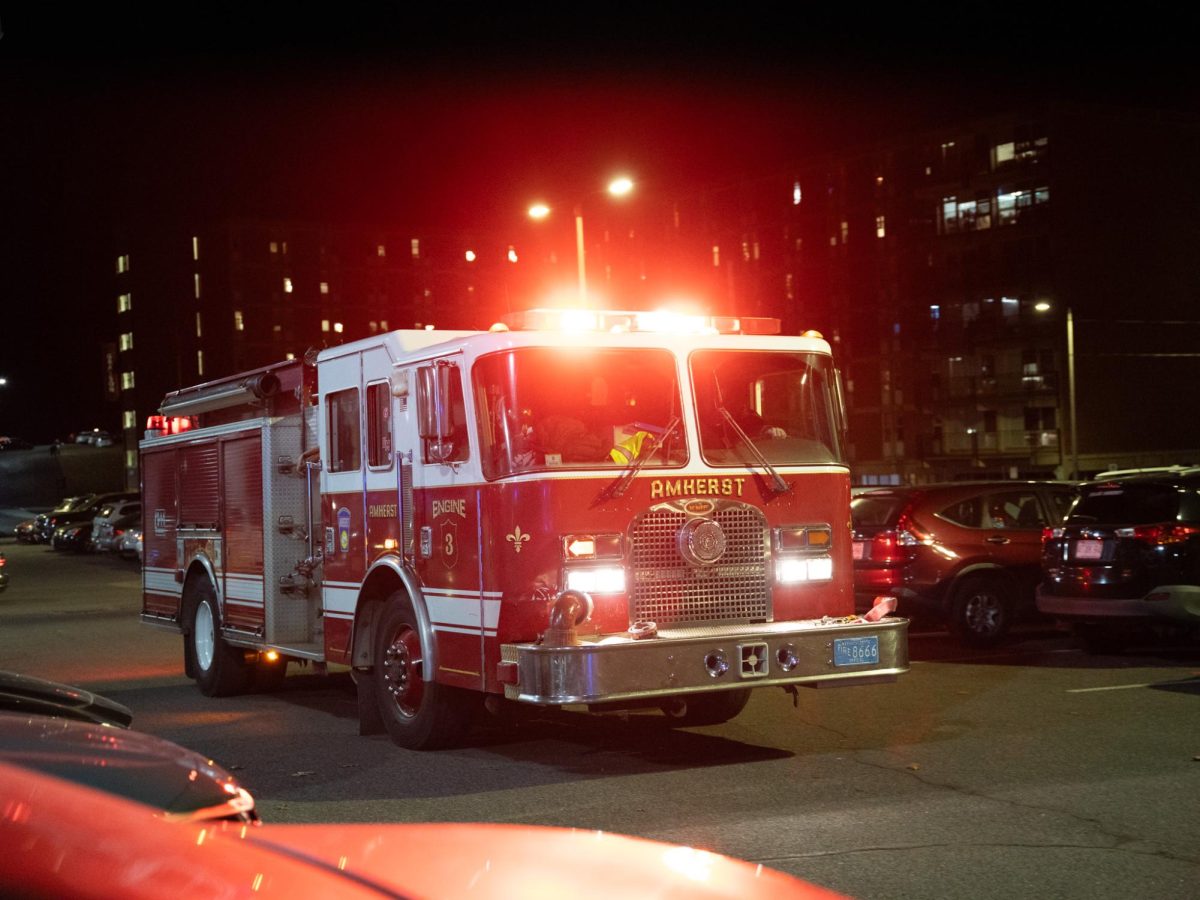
x,y
591,546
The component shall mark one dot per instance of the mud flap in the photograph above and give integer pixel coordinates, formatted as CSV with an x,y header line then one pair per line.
x,y
369,719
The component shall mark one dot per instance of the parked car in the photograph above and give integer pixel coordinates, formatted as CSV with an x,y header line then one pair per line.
x,y
131,543
65,840
128,508
43,530
75,536
26,532
965,554
14,443
1128,555
82,511
60,730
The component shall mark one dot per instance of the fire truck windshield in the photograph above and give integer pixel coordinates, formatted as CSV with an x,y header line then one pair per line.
x,y
784,404
548,408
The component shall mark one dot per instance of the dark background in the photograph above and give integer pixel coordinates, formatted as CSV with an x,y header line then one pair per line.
x,y
121,118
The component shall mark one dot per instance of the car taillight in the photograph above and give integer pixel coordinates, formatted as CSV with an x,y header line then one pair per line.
x,y
1051,534
1167,533
891,546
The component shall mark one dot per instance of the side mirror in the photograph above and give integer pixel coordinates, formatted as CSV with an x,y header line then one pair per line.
x,y
434,421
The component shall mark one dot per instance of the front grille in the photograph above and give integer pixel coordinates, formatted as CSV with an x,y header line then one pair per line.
x,y
666,589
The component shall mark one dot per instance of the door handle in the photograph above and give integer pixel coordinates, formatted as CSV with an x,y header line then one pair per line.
x,y
998,539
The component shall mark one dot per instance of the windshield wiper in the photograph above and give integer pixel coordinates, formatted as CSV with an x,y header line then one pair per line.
x,y
780,486
621,485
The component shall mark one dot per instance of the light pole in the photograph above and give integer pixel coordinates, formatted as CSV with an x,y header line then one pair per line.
x,y
1043,306
621,186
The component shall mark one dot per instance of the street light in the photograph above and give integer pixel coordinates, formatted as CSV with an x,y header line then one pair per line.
x,y
621,186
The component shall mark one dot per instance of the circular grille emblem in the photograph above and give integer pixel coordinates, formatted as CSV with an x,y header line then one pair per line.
x,y
701,541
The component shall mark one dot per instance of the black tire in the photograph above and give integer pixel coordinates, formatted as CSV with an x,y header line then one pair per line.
x,y
417,712
219,669
981,610
712,708
1098,640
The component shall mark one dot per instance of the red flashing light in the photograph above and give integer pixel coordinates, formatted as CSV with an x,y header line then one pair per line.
x,y
158,426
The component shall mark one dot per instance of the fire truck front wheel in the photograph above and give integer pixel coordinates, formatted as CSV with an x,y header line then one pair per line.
x,y
418,713
219,669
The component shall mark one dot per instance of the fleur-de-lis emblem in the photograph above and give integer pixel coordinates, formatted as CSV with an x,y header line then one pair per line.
x,y
517,538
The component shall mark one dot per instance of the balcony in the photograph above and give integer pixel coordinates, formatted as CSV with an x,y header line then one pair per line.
x,y
1040,445
969,387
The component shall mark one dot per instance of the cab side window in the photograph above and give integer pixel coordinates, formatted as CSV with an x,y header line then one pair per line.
x,y
341,425
379,426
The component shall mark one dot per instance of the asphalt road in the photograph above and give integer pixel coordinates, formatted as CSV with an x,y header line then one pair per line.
x,y
1028,771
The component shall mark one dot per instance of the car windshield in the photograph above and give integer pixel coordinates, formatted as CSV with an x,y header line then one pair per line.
x,y
1134,504
787,404
548,408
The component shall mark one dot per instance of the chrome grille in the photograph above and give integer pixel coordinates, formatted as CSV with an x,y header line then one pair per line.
x,y
667,590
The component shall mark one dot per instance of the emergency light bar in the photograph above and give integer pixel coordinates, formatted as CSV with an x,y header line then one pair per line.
x,y
658,321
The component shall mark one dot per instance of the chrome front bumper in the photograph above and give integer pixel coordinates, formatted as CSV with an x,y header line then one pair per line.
x,y
690,660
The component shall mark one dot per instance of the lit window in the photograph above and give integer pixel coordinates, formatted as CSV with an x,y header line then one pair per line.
x,y
797,194
283,246
337,327
195,248
287,285
131,459
239,322
1002,153
716,256
199,362
373,327
416,248
199,329
324,324
197,280
127,340
324,287
878,181
880,227
277,328
129,420
124,303
383,325
127,380
512,254
381,250
274,247
470,256
935,311
123,263
845,231
1010,307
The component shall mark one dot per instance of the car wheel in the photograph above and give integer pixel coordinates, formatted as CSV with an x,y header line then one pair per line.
x,y
219,669
417,712
1098,640
711,708
981,610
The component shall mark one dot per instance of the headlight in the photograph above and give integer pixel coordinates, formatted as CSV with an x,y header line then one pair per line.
x,y
796,570
593,580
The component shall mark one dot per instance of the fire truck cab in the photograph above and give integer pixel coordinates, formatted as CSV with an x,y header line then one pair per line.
x,y
615,509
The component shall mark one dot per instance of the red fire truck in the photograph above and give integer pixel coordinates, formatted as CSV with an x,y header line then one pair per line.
x,y
612,509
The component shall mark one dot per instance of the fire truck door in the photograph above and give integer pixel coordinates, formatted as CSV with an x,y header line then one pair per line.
x,y
447,476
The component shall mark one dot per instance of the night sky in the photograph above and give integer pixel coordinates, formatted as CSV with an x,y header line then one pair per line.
x,y
393,116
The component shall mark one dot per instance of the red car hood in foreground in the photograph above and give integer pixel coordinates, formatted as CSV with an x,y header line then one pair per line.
x,y
64,840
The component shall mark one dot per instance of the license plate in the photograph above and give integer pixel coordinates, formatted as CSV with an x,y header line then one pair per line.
x,y
858,651
860,548
1089,549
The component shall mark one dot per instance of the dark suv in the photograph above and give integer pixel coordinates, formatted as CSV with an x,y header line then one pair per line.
x,y
1127,555
967,554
